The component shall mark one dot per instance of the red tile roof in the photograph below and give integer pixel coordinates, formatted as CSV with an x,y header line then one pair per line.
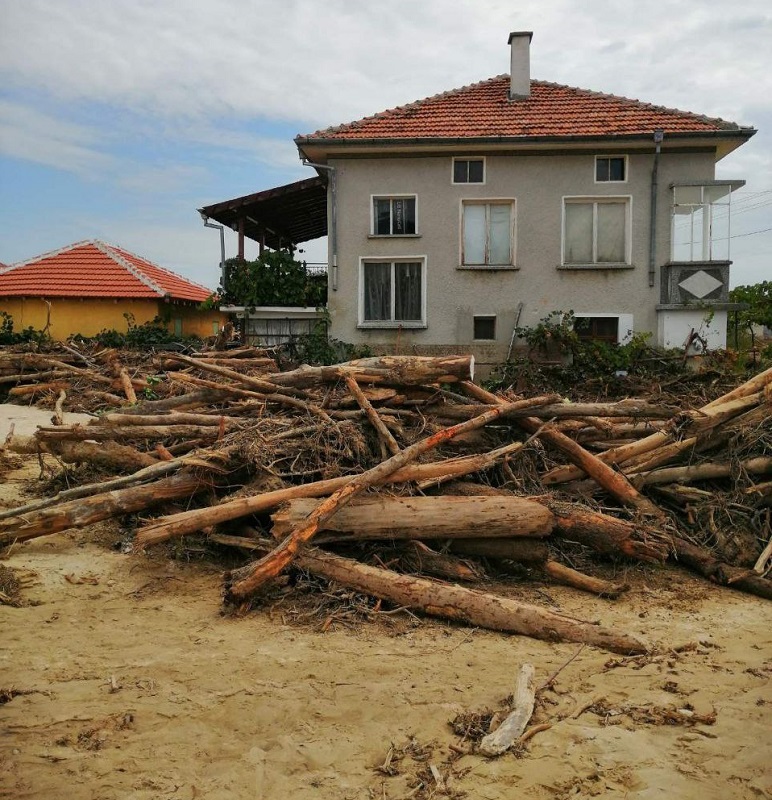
x,y
95,269
484,110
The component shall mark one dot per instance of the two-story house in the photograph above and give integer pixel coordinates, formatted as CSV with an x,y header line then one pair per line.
x,y
456,218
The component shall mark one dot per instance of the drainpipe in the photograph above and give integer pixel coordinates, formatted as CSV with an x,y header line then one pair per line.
x,y
221,228
333,219
659,135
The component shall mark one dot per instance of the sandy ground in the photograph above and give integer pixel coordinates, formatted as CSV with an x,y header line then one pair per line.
x,y
120,679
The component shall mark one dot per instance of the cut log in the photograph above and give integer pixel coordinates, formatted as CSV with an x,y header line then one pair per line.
x,y
706,564
118,457
196,519
272,564
442,517
84,511
614,483
457,603
586,583
399,370
609,535
522,550
510,730
703,472
383,432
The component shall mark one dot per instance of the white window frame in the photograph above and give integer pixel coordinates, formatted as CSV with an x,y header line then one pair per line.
x,y
392,196
625,328
484,201
495,326
453,180
390,323
595,169
596,200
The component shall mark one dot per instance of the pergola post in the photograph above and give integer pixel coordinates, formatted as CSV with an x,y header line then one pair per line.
x,y
241,238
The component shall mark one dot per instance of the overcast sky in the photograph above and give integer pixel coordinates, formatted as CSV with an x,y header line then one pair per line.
x,y
119,118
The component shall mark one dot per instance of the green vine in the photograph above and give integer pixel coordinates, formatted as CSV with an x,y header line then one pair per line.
x,y
273,279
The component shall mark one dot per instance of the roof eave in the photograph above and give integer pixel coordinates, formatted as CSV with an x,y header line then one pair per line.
x,y
319,147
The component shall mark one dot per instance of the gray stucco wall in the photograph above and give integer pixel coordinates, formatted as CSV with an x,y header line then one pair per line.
x,y
538,184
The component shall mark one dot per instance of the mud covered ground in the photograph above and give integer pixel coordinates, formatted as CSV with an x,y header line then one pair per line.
x,y
120,678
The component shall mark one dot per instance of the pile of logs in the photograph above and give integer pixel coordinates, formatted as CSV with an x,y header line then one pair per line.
x,y
299,468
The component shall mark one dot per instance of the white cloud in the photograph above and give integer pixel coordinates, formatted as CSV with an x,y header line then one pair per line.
x,y
326,63
34,135
204,74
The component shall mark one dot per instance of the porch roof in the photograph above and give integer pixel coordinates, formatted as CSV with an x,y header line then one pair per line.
x,y
289,214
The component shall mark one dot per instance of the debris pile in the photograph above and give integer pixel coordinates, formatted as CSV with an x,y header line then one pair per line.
x,y
377,473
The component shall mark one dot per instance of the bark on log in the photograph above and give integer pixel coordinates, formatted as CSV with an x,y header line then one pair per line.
x,y
103,433
706,564
522,550
614,483
191,521
442,517
37,388
383,432
609,535
703,472
400,370
203,397
105,454
84,511
457,603
272,564
586,583
170,418
416,557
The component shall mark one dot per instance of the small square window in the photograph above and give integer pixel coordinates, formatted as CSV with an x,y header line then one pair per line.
x,y
611,169
468,170
485,328
597,329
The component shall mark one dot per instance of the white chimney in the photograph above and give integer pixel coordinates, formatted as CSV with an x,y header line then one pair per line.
x,y
520,70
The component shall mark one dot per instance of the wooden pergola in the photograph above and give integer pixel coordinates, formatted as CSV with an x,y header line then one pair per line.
x,y
280,217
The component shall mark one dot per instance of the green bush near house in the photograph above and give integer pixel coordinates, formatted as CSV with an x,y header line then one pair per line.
x,y
276,278
9,336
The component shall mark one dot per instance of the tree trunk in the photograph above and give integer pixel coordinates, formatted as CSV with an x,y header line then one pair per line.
x,y
457,603
521,550
586,583
442,517
272,564
704,563
84,511
190,521
609,535
399,370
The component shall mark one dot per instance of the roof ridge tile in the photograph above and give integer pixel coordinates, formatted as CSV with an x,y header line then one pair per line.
x,y
127,265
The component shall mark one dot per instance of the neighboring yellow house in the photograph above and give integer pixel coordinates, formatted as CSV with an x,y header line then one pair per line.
x,y
91,286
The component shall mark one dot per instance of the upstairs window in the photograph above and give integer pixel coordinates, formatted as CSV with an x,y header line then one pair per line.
x,y
596,231
392,293
488,233
468,170
700,220
394,216
610,169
